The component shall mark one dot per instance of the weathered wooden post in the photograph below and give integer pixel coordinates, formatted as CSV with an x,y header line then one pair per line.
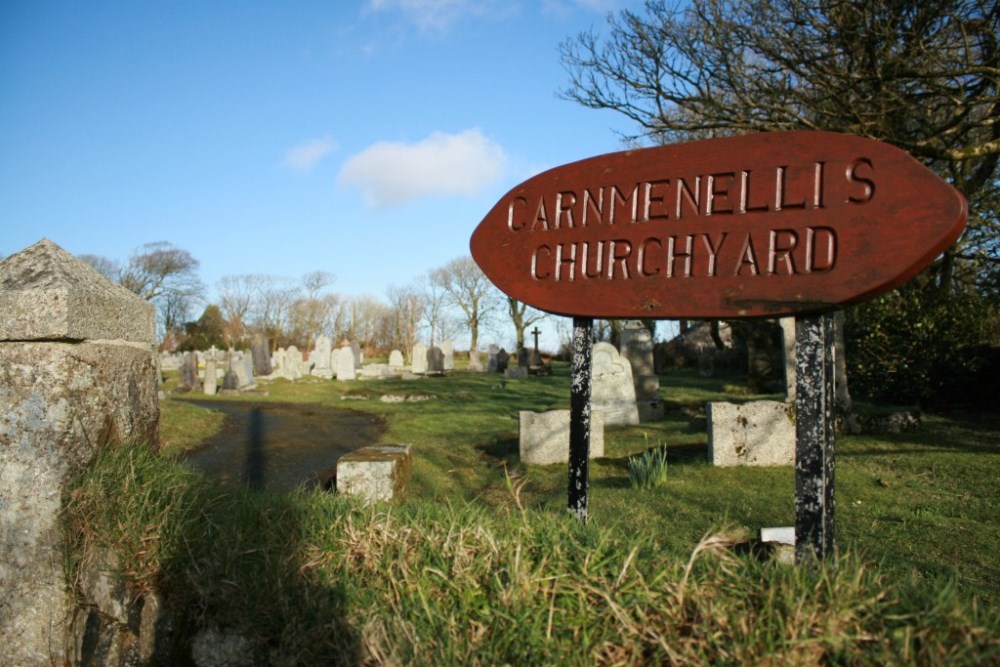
x,y
763,225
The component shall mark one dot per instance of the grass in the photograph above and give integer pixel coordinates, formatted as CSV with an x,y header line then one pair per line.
x,y
482,565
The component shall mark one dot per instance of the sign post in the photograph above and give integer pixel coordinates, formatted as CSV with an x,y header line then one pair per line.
x,y
579,417
814,437
763,225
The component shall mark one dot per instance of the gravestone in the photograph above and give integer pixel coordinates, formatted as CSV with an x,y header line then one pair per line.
x,y
230,382
523,357
396,360
293,363
475,363
491,362
375,473
435,361
516,373
210,386
242,365
544,436
612,388
359,357
260,352
346,368
502,360
637,347
757,433
448,350
189,373
321,358
419,358
78,373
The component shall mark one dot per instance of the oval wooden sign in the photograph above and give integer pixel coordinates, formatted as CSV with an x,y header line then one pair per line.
x,y
750,226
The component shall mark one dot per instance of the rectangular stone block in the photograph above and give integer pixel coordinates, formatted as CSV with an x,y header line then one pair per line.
x,y
378,472
544,436
650,410
758,433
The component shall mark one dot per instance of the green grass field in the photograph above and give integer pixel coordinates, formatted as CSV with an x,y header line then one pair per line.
x,y
482,564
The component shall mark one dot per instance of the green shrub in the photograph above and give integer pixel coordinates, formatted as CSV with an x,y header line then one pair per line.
x,y
649,469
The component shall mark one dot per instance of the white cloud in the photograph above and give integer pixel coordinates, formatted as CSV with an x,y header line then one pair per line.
x,y
391,173
306,155
440,14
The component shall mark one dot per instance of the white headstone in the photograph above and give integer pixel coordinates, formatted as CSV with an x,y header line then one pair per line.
x,y
396,359
612,389
419,359
544,436
345,367
448,349
758,433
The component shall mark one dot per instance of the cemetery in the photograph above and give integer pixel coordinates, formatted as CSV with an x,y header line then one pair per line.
x,y
450,497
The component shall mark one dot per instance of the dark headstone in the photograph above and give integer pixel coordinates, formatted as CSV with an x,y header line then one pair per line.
x,y
522,357
435,361
231,381
502,360
189,373
261,353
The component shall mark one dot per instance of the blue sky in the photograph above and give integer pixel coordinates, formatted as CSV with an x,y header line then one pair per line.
x,y
366,139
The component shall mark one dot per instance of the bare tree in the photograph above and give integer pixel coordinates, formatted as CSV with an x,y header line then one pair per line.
x,y
313,311
108,268
923,76
158,268
236,300
470,291
522,316
407,304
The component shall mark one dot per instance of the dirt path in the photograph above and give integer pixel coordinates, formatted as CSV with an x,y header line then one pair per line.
x,y
279,446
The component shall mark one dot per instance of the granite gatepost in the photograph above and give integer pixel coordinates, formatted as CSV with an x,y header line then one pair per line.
x,y
78,373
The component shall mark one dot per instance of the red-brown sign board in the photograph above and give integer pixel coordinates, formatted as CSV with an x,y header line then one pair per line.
x,y
757,225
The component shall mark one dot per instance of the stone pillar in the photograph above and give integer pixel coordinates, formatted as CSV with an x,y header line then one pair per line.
x,y
77,373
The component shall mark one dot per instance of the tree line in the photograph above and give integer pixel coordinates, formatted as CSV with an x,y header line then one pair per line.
x,y
454,301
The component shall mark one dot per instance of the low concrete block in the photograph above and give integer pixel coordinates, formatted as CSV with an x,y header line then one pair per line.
x,y
544,436
758,433
379,472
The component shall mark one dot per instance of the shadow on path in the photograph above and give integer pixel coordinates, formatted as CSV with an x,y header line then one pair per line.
x,y
279,446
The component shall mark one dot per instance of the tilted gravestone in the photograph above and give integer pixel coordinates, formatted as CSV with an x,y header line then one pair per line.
x,y
78,373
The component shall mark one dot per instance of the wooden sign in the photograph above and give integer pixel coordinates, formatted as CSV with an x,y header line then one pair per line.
x,y
759,225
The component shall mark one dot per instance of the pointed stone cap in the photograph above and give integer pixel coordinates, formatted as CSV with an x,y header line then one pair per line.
x,y
48,294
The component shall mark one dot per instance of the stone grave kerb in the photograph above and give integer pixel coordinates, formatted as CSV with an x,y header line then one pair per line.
x,y
78,372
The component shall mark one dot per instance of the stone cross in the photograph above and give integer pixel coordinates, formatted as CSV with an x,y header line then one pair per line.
x,y
535,332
